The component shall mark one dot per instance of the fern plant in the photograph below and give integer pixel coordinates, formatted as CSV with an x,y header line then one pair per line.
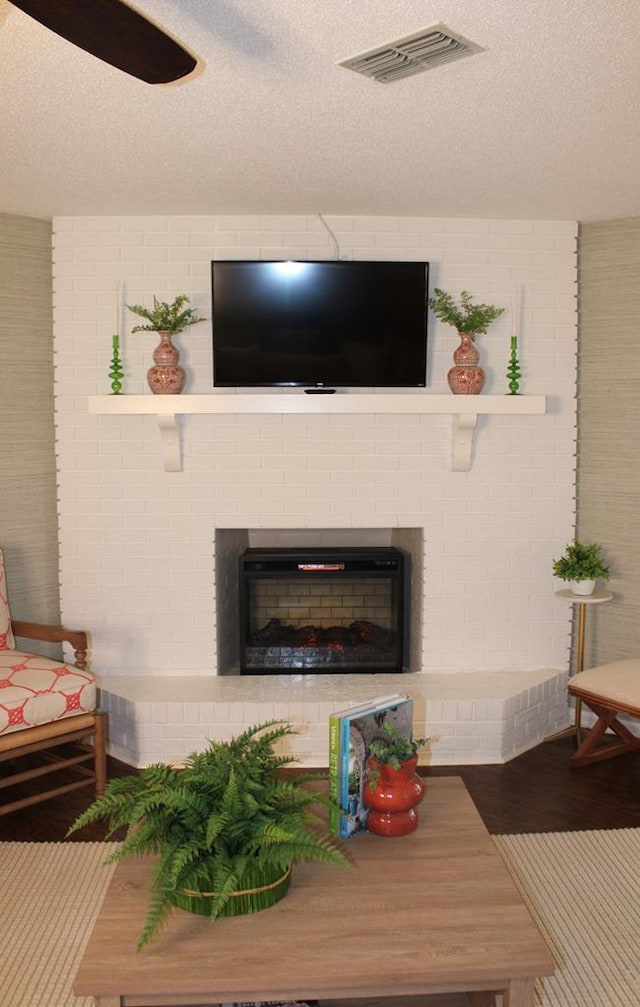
x,y
464,316
229,822
164,317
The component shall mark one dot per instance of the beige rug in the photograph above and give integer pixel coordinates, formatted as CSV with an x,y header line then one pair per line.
x,y
51,894
582,887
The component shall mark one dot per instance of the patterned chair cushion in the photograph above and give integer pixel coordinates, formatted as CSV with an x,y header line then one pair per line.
x,y
35,690
7,641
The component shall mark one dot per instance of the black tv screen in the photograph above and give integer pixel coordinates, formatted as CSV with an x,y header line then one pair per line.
x,y
319,324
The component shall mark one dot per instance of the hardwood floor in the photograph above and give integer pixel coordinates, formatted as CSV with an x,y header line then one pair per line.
x,y
537,792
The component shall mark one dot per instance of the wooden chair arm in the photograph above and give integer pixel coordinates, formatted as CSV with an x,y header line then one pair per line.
x,y
54,634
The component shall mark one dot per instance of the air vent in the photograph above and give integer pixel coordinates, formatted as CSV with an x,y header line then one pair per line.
x,y
424,50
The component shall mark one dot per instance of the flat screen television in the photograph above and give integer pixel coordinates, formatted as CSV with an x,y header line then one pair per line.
x,y
319,324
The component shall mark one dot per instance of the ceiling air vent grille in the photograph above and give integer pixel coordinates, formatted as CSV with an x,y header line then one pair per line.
x,y
424,50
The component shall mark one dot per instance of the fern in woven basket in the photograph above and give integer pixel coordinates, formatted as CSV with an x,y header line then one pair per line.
x,y
225,829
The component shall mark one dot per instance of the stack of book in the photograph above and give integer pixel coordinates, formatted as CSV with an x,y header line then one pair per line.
x,y
351,732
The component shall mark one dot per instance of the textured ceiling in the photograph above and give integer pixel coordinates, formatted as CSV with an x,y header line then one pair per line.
x,y
543,124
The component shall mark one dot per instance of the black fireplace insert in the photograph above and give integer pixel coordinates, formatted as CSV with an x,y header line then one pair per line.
x,y
323,611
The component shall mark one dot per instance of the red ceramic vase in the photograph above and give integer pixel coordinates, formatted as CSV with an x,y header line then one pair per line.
x,y
166,377
465,377
392,805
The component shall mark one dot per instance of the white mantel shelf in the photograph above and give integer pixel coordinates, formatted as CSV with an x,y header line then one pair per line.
x,y
464,409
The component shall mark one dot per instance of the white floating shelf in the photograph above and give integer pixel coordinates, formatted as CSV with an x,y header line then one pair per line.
x,y
464,409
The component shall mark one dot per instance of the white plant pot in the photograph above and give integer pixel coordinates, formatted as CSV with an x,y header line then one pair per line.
x,y
582,587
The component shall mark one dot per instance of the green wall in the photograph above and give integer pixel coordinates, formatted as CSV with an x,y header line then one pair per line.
x,y
608,490
28,518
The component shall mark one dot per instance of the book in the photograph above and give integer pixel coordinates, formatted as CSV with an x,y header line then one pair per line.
x,y
358,732
349,774
350,732
334,735
335,744
337,790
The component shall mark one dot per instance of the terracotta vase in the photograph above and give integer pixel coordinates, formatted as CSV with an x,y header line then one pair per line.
x,y
166,377
392,804
465,377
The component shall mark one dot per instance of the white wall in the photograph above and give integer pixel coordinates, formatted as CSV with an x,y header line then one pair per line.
x,y
137,543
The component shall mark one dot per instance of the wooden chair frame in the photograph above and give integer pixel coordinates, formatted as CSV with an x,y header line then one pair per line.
x,y
86,732
593,748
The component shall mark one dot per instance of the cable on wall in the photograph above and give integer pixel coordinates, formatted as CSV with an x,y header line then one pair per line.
x,y
331,235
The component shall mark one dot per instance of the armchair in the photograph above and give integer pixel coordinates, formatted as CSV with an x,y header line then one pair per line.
x,y
47,707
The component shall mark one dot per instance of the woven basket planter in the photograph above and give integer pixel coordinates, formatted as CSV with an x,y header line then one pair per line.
x,y
263,888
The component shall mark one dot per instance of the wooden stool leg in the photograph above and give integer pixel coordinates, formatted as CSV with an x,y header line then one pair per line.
x,y
588,751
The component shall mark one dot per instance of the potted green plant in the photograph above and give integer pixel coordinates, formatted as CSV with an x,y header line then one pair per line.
x,y
165,317
392,788
226,829
464,316
469,320
581,565
166,377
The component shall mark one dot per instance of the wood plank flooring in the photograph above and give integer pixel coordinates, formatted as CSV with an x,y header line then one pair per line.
x,y
537,792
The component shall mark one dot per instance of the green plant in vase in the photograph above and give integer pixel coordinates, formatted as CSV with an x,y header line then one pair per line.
x,y
393,750
581,564
226,829
166,377
469,320
392,788
165,317
464,315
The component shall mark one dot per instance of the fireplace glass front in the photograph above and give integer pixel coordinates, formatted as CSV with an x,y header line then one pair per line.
x,y
323,611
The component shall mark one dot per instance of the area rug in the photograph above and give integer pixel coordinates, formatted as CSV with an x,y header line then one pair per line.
x,y
50,897
583,888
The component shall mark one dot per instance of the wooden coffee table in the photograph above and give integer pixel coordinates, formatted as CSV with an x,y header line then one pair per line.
x,y
435,912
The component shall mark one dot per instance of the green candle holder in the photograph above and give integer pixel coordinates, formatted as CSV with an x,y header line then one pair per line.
x,y
513,370
116,372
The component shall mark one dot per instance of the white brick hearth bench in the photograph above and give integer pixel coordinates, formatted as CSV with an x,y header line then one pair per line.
x,y
471,717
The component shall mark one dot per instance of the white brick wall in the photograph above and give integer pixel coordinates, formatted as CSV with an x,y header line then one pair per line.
x,y
489,719
137,544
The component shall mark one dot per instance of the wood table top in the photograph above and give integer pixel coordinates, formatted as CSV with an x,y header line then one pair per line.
x,y
434,911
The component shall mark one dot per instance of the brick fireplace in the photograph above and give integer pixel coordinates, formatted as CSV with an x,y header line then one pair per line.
x,y
144,554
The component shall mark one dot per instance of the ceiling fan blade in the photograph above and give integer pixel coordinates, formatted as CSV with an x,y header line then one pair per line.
x,y
115,33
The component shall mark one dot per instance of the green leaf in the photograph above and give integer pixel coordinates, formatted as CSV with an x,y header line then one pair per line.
x,y
464,316
164,317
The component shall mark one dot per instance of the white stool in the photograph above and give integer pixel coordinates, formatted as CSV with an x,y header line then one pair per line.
x,y
608,690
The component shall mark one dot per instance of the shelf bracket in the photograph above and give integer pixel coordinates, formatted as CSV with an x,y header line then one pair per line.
x,y
170,439
464,426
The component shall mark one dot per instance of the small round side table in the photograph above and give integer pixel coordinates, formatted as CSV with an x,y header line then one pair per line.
x,y
598,597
